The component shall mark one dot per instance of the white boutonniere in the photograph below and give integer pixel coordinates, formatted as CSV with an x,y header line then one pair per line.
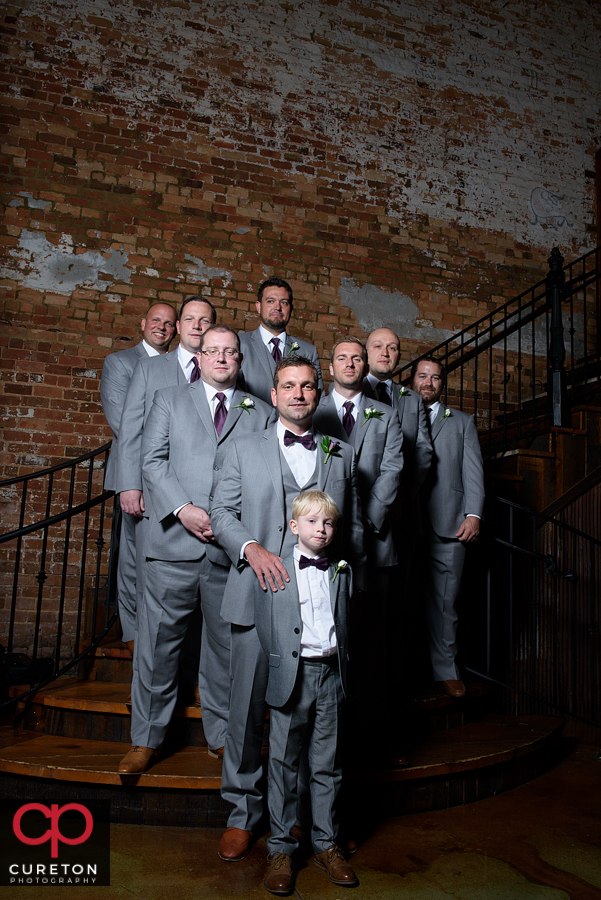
x,y
247,404
404,393
340,567
293,346
371,413
447,414
329,447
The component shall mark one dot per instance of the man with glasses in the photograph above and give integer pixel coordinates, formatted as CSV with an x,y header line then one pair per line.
x,y
270,342
184,442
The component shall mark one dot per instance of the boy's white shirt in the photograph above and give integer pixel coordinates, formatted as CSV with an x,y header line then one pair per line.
x,y
318,635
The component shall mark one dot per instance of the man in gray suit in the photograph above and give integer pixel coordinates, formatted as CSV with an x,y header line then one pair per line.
x,y
184,443
158,330
176,368
452,499
253,504
383,356
373,431
270,342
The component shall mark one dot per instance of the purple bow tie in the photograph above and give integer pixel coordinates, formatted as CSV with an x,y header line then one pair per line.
x,y
305,439
320,563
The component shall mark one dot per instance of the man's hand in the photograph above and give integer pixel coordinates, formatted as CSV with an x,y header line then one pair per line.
x,y
266,566
197,521
132,502
469,531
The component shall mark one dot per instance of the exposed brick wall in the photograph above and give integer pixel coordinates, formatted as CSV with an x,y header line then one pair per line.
x,y
431,153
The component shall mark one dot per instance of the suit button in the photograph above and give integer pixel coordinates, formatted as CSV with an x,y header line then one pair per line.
x,y
297,630
210,496
294,653
216,468
279,527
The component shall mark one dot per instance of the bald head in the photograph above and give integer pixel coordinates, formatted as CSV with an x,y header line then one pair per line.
x,y
383,353
158,326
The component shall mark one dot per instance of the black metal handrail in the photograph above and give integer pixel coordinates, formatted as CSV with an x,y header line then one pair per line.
x,y
63,597
509,365
539,632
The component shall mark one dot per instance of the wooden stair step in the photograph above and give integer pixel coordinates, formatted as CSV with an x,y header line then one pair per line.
x,y
495,740
95,696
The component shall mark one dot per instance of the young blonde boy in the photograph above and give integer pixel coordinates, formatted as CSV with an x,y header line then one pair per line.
x,y
303,630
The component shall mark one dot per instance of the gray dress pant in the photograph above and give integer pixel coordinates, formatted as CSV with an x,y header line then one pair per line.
x,y
445,560
127,576
310,720
242,765
171,595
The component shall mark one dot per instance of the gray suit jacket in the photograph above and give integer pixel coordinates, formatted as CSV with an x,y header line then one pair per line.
x,y
150,375
378,447
417,446
249,504
117,371
279,627
182,462
454,486
258,366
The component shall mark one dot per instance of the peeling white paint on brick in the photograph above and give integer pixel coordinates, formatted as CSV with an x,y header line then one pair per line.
x,y
376,308
201,270
42,266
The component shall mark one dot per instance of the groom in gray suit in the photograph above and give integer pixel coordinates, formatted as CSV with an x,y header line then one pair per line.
x,y
270,342
184,444
158,330
253,504
175,368
452,500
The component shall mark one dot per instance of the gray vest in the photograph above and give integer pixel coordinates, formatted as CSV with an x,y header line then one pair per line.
x,y
291,490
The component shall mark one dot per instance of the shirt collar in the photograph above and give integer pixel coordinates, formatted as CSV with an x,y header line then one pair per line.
x,y
374,382
211,391
436,410
185,356
266,336
297,554
339,400
150,350
281,429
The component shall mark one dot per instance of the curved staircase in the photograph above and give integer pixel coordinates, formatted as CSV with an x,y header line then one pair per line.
x,y
68,739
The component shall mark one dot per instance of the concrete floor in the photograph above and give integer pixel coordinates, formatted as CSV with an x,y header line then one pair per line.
x,y
541,841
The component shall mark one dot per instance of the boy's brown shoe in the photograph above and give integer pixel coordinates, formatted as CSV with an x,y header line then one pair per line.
x,y
278,876
333,862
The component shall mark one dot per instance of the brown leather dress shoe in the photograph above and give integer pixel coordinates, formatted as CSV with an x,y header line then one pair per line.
x,y
216,754
333,862
234,844
454,688
138,760
278,875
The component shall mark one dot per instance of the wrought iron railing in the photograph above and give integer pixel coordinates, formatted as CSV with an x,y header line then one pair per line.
x,y
531,617
59,570
508,367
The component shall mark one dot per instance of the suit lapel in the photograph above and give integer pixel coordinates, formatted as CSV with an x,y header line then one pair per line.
x,y
438,424
271,452
199,396
360,428
400,404
233,414
263,354
334,588
336,431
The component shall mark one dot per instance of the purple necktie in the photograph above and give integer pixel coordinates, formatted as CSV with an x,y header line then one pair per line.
x,y
305,439
320,563
195,371
220,413
348,420
275,351
382,392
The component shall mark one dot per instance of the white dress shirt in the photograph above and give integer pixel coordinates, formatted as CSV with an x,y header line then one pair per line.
x,y
318,632
185,360
302,462
339,400
150,350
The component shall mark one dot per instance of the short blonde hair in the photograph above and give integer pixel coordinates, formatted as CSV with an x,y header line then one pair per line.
x,y
308,500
